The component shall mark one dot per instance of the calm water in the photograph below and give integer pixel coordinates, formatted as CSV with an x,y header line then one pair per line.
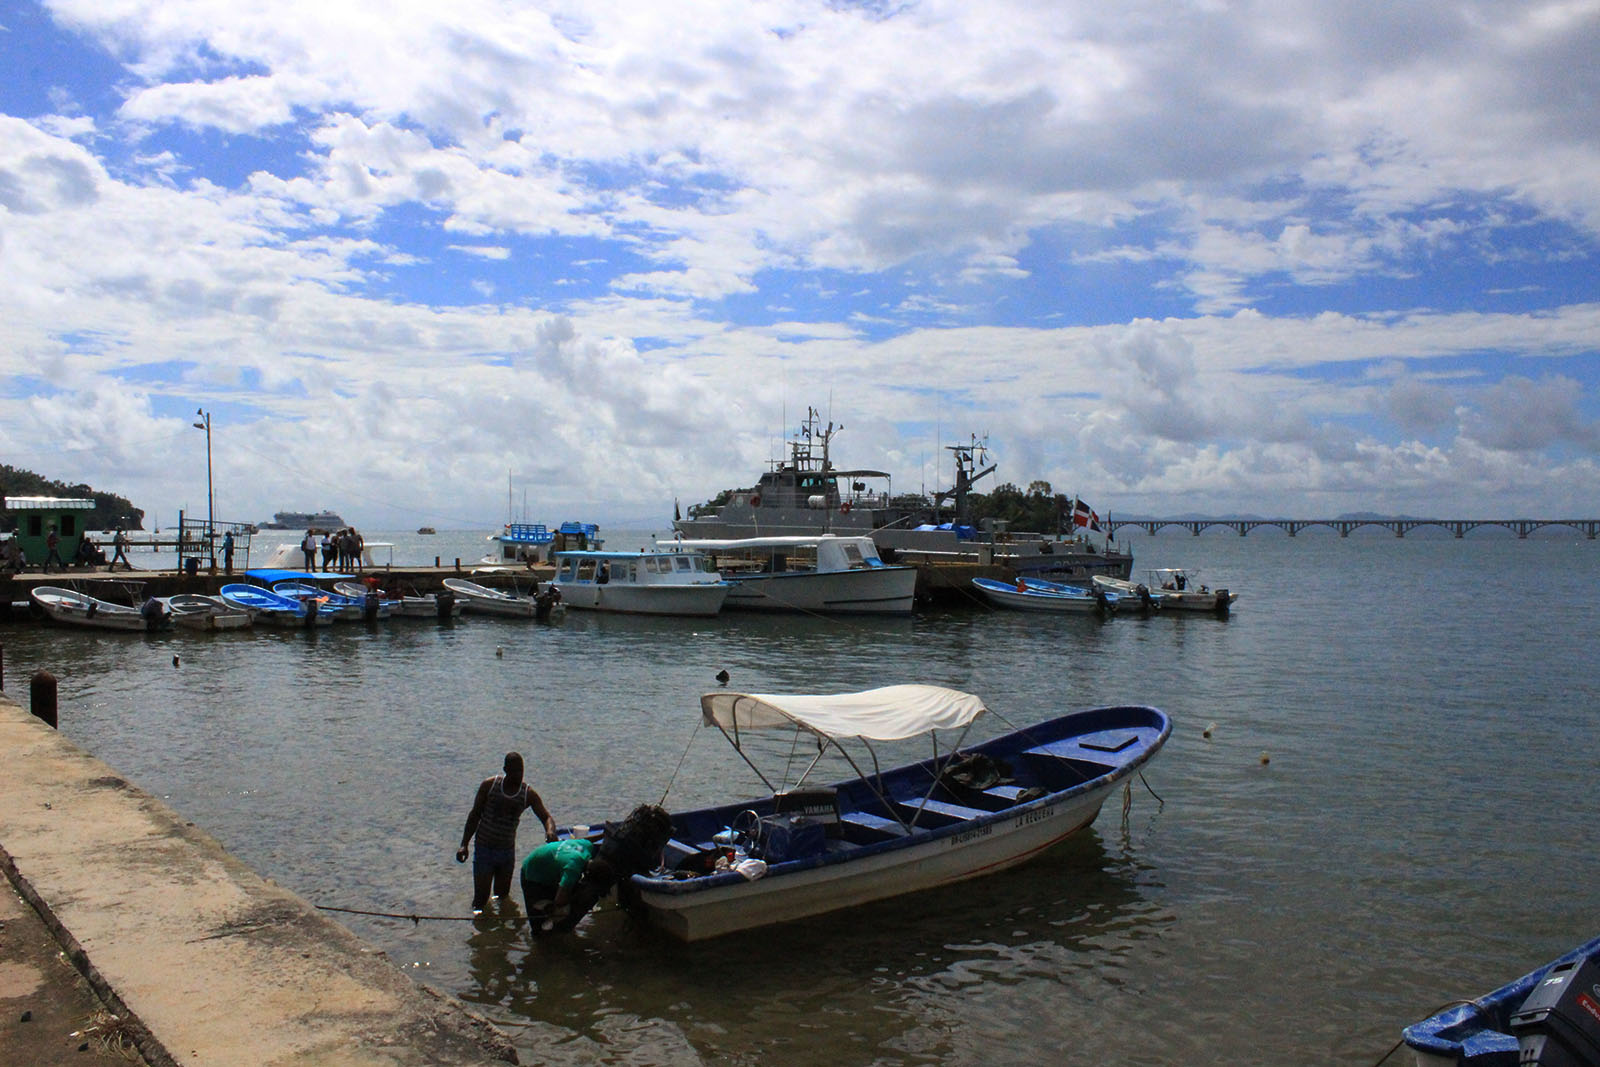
x,y
1421,830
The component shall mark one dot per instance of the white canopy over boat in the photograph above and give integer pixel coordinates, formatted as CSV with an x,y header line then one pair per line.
x,y
892,713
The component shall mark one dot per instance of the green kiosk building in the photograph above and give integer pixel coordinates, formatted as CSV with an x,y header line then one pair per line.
x,y
32,516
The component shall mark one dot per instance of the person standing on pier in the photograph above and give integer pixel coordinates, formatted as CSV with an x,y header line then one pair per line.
x,y
500,802
52,544
308,548
227,553
119,545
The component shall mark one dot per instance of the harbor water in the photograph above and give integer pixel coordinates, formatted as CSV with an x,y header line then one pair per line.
x,y
1379,797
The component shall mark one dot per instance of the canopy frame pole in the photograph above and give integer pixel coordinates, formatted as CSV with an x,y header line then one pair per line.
x,y
937,770
735,743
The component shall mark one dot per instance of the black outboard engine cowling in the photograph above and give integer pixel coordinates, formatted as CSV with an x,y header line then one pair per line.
x,y
1559,1024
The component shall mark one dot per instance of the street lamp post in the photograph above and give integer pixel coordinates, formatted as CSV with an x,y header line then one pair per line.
x,y
211,500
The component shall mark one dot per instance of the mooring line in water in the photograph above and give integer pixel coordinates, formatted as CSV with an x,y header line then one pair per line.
x,y
417,919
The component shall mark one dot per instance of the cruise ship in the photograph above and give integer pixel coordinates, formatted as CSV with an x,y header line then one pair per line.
x,y
305,520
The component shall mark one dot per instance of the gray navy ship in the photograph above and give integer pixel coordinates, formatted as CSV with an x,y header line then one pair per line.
x,y
805,494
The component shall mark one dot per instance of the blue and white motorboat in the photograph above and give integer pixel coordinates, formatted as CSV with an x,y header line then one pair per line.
x,y
805,849
525,544
1549,1016
1036,594
271,608
640,583
823,573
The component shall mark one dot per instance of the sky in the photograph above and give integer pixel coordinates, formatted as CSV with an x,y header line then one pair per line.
x,y
447,264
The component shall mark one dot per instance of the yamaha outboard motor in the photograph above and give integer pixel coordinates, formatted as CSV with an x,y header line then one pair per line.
x,y
1559,1024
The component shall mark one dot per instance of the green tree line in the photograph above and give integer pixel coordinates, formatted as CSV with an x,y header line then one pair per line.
x,y
110,510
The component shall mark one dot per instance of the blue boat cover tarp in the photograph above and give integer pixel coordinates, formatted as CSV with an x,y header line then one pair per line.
x,y
269,575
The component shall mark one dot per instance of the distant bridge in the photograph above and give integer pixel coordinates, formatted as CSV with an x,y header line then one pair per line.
x,y
1459,527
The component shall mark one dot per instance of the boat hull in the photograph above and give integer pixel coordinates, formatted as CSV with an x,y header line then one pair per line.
x,y
70,608
481,600
1008,596
691,600
1096,751
877,591
769,900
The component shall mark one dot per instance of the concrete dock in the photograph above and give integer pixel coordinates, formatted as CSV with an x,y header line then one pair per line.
x,y
117,907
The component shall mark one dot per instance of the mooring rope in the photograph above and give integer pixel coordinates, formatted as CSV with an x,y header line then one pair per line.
x,y
414,918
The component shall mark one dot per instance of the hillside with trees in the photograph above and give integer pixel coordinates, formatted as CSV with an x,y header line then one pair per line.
x,y
110,510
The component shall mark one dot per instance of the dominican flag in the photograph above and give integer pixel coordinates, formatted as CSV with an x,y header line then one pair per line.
x,y
1083,515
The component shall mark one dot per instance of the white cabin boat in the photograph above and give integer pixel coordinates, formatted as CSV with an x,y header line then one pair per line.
x,y
640,583
821,573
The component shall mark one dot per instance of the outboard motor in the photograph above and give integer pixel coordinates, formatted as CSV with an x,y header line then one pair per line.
x,y
1559,1024
1223,601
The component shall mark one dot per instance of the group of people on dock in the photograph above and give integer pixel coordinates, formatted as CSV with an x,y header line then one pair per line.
x,y
563,878
340,549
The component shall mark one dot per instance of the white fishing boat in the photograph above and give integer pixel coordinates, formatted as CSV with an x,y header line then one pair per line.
x,y
481,600
72,608
1032,594
1180,589
195,611
640,583
822,573
807,850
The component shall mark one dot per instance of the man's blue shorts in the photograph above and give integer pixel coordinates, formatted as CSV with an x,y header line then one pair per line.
x,y
493,860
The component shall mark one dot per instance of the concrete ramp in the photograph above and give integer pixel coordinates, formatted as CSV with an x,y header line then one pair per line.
x,y
214,964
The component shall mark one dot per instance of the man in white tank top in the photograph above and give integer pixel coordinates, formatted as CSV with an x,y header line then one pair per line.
x,y
500,802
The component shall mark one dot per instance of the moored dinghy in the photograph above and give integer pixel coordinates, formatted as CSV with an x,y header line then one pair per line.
x,y
969,812
194,611
480,599
73,608
271,608
1033,594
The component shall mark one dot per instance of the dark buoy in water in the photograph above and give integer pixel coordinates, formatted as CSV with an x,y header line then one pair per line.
x,y
174,661
722,677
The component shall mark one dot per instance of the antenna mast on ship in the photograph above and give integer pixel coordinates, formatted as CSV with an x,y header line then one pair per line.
x,y
967,458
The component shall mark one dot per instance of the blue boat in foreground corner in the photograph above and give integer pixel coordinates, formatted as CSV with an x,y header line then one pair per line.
x,y
804,850
1550,1017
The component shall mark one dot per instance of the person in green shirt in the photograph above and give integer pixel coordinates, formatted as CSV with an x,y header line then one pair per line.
x,y
551,875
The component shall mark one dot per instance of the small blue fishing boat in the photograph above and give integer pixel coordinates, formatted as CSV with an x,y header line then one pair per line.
x,y
1549,1016
271,608
806,850
1036,594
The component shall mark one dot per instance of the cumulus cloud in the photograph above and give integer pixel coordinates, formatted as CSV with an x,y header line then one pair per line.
x,y
918,210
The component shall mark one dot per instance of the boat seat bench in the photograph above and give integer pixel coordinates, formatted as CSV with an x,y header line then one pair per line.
x,y
942,813
863,827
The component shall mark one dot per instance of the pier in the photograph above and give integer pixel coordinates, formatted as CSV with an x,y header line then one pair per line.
x,y
1400,527
199,959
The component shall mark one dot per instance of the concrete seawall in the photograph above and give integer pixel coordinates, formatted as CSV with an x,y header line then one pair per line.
x,y
207,962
